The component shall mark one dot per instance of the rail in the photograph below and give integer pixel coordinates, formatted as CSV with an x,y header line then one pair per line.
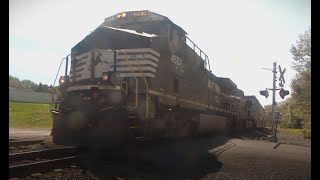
x,y
27,163
66,72
44,154
137,83
147,91
24,143
41,166
124,90
195,47
232,107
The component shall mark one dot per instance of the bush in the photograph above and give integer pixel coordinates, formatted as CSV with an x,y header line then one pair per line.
x,y
307,133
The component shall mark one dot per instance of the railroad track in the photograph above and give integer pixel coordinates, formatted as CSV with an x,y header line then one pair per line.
x,y
17,143
27,163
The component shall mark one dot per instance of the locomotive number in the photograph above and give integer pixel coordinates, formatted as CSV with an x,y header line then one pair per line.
x,y
176,60
139,13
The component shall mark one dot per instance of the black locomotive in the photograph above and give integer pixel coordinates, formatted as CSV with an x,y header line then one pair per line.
x,y
139,77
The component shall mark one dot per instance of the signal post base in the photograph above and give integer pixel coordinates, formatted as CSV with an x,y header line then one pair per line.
x,y
273,138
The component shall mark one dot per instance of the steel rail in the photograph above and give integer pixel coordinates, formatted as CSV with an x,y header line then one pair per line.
x,y
24,143
45,154
41,166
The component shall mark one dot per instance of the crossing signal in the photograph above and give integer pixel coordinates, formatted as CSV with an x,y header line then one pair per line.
x,y
283,93
264,93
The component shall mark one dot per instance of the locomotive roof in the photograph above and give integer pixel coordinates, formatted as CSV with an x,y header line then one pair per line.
x,y
238,92
227,83
140,16
143,16
111,31
253,99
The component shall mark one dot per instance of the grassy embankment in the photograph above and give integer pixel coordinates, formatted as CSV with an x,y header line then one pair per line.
x,y
31,115
306,133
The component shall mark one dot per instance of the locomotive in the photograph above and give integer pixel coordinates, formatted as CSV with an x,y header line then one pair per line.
x,y
138,77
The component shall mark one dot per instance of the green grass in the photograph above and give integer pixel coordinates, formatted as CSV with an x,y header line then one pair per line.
x,y
30,115
306,133
291,131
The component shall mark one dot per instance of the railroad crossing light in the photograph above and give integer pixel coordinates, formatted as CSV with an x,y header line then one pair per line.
x,y
283,93
265,93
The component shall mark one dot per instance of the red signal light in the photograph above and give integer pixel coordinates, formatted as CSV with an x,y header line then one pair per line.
x,y
283,93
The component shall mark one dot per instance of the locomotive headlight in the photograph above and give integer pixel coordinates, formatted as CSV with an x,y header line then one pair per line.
x,y
61,80
123,15
105,77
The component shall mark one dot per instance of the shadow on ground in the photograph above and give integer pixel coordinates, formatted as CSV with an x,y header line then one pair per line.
x,y
182,159
179,159
253,134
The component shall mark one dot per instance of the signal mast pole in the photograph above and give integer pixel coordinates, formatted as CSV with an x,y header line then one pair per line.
x,y
283,93
274,88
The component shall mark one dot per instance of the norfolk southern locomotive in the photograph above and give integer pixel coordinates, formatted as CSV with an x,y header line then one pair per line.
x,y
139,77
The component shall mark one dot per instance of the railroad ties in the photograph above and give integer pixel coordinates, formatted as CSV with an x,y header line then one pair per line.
x,y
16,143
30,162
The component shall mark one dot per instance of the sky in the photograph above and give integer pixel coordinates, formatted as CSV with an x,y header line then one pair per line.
x,y
240,36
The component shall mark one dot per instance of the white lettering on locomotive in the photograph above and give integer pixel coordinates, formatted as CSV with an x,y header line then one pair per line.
x,y
177,61
140,13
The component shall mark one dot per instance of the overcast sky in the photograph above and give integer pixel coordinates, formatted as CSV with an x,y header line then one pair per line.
x,y
240,36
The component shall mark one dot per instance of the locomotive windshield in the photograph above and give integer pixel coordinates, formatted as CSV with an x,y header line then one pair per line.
x,y
112,38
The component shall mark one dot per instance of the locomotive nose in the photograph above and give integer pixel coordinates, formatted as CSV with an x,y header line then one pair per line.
x,y
109,129
78,120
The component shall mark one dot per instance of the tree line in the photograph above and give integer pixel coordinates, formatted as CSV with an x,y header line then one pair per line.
x,y
28,85
296,110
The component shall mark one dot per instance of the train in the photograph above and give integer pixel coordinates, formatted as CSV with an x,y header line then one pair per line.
x,y
139,77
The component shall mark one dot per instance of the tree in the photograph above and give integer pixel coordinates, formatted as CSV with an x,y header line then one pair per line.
x,y
27,85
301,84
302,52
39,88
14,82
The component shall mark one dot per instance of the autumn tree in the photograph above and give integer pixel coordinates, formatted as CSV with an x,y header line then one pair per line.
x,y
301,83
296,110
